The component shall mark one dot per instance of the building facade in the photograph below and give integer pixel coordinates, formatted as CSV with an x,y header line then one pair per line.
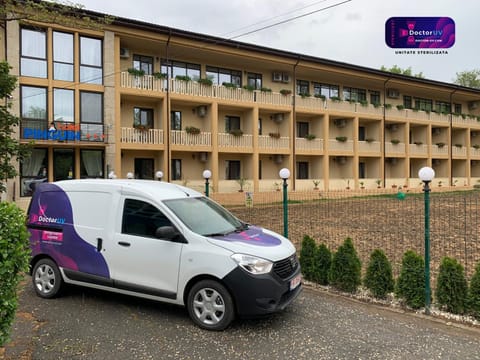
x,y
141,98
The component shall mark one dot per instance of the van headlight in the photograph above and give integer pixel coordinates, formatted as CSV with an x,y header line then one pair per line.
x,y
253,264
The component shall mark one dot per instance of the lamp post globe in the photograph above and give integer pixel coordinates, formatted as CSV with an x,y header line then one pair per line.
x,y
159,175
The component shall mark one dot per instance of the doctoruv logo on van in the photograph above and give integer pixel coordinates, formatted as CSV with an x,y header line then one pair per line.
x,y
51,220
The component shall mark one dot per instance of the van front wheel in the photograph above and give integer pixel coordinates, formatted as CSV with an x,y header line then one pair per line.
x,y
46,279
210,305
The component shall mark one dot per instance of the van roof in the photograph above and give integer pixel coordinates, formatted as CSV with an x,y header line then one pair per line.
x,y
159,190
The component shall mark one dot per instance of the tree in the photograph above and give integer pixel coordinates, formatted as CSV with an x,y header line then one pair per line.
x,y
10,148
379,277
398,70
63,13
468,78
411,282
346,268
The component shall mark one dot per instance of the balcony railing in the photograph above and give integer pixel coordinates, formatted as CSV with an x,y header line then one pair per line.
x,y
229,140
459,151
419,149
269,142
439,150
397,149
336,145
62,131
308,145
369,146
475,153
178,137
136,136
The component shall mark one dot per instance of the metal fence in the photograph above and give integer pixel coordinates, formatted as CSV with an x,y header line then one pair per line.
x,y
374,220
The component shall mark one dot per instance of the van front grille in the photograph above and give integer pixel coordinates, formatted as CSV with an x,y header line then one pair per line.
x,y
286,267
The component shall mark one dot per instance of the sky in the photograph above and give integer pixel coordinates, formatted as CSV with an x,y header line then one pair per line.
x,y
349,31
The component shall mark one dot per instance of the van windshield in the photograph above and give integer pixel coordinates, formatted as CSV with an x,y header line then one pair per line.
x,y
204,216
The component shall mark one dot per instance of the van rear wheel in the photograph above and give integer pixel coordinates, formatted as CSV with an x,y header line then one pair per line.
x,y
46,279
210,305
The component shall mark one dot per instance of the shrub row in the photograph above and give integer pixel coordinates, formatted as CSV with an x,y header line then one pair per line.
x,y
342,270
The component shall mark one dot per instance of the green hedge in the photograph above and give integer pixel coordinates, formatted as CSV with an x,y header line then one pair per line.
x,y
452,288
345,272
379,276
411,282
14,260
474,293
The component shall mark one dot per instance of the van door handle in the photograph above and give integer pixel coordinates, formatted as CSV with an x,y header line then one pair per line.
x,y
123,243
99,244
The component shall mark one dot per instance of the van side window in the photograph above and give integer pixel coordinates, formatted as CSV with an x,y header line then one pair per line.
x,y
141,218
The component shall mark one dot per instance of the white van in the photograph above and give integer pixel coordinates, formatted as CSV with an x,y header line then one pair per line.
x,y
158,241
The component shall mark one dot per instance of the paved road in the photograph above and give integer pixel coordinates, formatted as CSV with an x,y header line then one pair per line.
x,y
87,324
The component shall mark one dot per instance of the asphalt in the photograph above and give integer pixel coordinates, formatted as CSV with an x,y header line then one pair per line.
x,y
89,324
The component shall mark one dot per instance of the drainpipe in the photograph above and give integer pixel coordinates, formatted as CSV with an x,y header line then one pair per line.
x,y
294,166
384,175
450,157
167,137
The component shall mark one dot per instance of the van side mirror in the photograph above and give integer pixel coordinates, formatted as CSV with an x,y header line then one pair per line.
x,y
169,233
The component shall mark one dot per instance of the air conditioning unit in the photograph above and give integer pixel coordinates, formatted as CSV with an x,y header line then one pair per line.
x,y
473,105
202,111
278,118
203,157
124,53
436,162
392,127
286,78
277,76
393,93
341,160
392,161
278,159
436,131
340,123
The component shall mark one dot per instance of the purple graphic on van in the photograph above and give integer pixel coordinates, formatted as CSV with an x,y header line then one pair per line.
x,y
53,233
420,32
253,236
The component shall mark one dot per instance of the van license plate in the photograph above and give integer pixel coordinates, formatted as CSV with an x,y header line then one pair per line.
x,y
295,281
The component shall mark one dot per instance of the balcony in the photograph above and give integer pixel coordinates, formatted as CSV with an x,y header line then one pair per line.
x,y
459,151
341,146
305,145
394,149
62,131
136,136
372,147
273,143
228,140
418,149
475,152
441,149
178,137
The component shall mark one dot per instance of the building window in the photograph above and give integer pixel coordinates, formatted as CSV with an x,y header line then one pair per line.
x,y
220,76
361,133
442,107
144,63
144,168
91,116
302,129
63,105
176,120
232,123
33,60
143,118
91,70
91,164
354,94
62,56
33,170
232,170
302,170
176,169
254,80
374,97
361,170
178,68
326,90
303,87
63,164
423,104
458,108
407,102
33,110
260,126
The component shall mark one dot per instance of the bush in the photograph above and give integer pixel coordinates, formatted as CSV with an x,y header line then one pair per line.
x,y
345,272
307,257
452,288
411,282
322,264
379,278
474,293
14,259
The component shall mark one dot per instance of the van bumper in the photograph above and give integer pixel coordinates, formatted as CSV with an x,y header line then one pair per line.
x,y
256,295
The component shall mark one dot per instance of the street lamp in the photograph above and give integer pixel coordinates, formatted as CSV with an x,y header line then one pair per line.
x,y
111,175
207,174
426,174
159,175
130,175
285,174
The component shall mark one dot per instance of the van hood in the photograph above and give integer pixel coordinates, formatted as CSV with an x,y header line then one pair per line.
x,y
256,241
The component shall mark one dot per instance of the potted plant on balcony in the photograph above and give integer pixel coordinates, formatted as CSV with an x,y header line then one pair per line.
x,y
139,126
395,141
315,184
418,142
476,146
275,135
205,81
440,144
249,88
362,185
230,85
400,107
159,75
369,140
192,130
459,146
183,78
285,92
265,89
304,95
236,132
341,138
310,137
136,72
335,99
379,183
242,182
320,96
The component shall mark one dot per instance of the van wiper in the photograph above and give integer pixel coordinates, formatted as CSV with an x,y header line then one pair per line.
x,y
218,234
243,226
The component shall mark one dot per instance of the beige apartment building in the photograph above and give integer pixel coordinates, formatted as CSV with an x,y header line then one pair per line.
x,y
141,98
